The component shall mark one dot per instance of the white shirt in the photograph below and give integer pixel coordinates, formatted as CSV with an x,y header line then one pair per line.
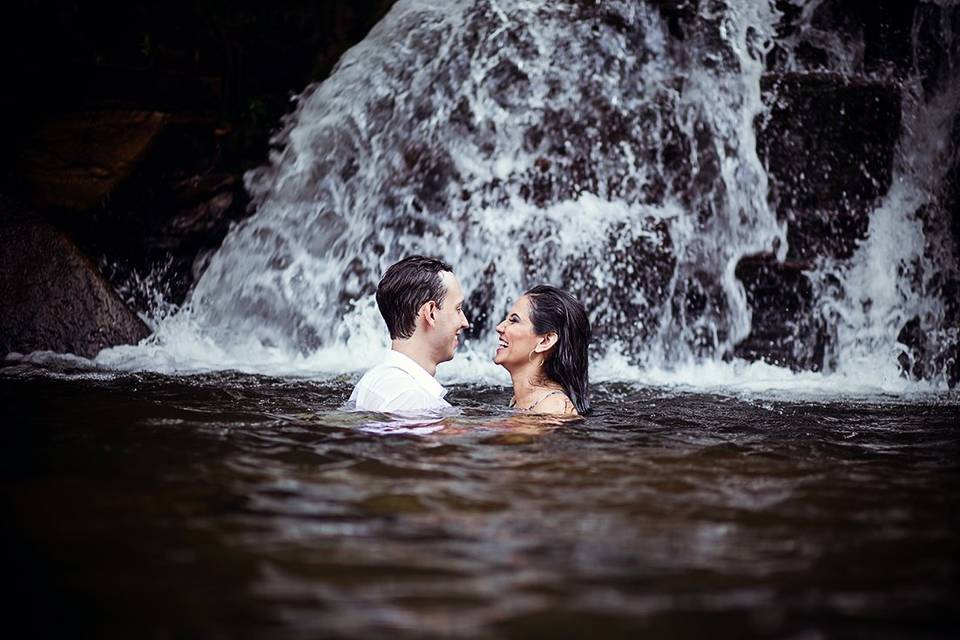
x,y
399,385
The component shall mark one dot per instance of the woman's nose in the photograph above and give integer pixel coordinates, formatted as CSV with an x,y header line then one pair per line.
x,y
500,327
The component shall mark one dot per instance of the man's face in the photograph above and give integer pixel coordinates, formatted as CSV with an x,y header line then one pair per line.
x,y
450,319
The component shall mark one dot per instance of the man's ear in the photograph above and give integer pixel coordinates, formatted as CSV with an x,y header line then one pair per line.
x,y
547,341
428,311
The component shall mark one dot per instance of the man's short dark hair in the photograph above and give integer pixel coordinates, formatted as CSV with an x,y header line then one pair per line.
x,y
404,288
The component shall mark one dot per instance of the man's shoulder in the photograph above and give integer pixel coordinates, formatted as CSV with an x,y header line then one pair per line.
x,y
393,390
385,371
396,385
385,381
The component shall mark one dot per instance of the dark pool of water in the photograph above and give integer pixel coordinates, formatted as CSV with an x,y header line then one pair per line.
x,y
229,505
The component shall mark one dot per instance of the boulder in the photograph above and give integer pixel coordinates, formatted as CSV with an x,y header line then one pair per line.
x,y
55,299
786,330
827,142
156,213
75,161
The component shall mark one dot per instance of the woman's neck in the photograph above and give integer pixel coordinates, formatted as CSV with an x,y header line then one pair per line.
x,y
529,383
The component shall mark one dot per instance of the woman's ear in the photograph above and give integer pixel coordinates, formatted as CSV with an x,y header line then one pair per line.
x,y
546,342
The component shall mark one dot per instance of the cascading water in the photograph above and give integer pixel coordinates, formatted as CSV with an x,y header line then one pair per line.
x,y
579,144
892,305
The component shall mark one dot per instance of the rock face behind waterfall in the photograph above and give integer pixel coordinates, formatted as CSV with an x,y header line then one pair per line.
x,y
828,143
55,299
129,127
860,142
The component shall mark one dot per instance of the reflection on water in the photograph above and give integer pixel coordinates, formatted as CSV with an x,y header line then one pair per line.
x,y
233,505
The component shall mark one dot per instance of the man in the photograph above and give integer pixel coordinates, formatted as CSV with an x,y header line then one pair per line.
x,y
422,304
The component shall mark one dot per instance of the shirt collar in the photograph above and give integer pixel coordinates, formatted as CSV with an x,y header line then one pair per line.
x,y
418,373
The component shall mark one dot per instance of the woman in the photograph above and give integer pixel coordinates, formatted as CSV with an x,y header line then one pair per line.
x,y
543,344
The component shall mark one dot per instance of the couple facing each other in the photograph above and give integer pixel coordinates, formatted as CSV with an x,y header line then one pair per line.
x,y
543,344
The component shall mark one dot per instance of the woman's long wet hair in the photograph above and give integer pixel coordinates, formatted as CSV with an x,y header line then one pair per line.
x,y
553,309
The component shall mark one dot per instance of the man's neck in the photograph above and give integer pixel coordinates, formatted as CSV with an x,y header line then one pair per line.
x,y
416,352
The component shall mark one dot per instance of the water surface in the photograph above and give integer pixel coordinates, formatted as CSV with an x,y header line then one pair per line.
x,y
223,505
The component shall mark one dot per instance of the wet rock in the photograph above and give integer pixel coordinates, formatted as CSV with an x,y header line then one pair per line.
x,y
482,304
887,38
953,191
929,354
201,204
133,88
55,299
936,46
679,15
176,205
75,161
630,295
786,331
828,143
913,337
881,28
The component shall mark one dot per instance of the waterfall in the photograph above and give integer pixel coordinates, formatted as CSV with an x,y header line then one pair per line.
x,y
892,306
596,146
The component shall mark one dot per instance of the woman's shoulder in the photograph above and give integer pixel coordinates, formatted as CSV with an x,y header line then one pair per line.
x,y
557,404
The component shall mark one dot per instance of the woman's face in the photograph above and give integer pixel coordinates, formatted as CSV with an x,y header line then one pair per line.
x,y
517,338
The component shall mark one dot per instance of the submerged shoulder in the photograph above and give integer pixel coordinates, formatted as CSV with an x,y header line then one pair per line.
x,y
558,404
